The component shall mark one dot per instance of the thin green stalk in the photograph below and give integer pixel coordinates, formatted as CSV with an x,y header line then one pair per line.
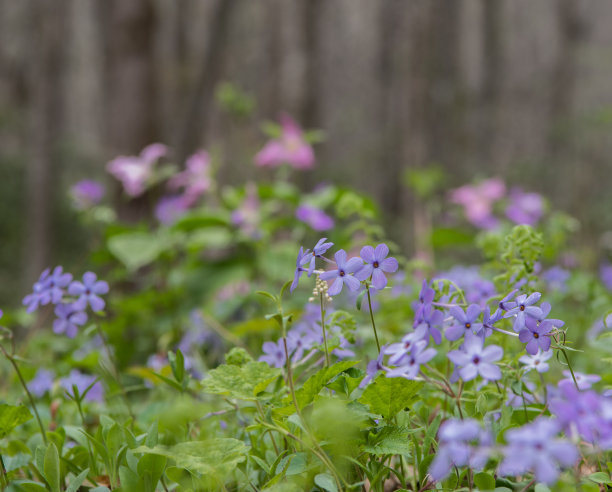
x,y
569,365
372,318
323,328
3,473
545,389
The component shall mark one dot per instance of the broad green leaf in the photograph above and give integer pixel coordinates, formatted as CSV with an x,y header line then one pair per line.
x,y
215,457
484,481
29,486
315,383
242,382
136,249
390,440
51,468
77,481
17,461
387,396
600,477
326,482
150,469
12,416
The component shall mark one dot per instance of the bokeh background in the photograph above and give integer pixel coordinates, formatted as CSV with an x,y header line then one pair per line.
x,y
511,88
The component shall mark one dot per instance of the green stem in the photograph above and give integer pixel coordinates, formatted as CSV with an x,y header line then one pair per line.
x,y
372,318
323,328
3,473
569,365
25,387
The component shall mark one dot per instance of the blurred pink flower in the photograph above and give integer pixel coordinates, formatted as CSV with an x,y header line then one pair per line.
x,y
87,193
135,171
314,217
477,201
170,208
195,179
246,216
525,208
290,148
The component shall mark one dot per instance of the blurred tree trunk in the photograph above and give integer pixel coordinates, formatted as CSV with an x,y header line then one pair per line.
x,y
46,122
132,112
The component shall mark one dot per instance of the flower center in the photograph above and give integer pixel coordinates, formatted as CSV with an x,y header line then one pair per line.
x,y
476,359
536,362
522,308
407,345
375,264
341,273
535,335
468,326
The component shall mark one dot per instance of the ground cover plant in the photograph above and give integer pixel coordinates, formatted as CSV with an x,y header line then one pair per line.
x,y
261,338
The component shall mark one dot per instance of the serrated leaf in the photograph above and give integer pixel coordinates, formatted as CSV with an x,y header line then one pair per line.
x,y
217,457
242,382
12,416
387,396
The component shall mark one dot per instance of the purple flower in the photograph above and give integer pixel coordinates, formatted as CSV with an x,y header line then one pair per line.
x,y
171,208
68,320
41,383
605,274
317,252
373,368
376,263
533,447
342,274
465,322
426,297
432,319
536,335
274,354
522,399
398,351
525,208
88,292
82,382
461,443
412,360
478,200
134,172
474,359
584,381
48,289
195,179
556,278
314,217
290,148
522,307
537,361
87,193
505,304
303,258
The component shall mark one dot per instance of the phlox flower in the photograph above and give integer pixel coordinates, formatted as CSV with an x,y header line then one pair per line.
x,y
376,263
82,382
41,383
584,381
89,292
478,200
474,359
342,274
536,335
290,148
303,258
314,217
409,365
522,307
398,351
318,251
274,354
68,320
465,322
171,208
426,297
525,208
86,193
373,368
432,319
537,361
135,171
534,447
48,289
505,304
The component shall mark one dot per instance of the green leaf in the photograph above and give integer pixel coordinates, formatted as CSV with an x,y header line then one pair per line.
x,y
315,383
135,249
11,417
326,482
17,461
151,468
484,481
387,396
77,481
390,440
29,486
242,382
600,477
217,457
51,468
177,364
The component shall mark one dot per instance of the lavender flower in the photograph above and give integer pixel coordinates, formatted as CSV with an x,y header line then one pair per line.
x,y
522,399
82,382
584,381
274,354
537,361
522,307
505,304
478,200
171,208
432,319
412,360
474,359
314,217
135,171
41,383
461,443
48,289
398,351
556,278
533,447
303,258
69,318
342,273
88,292
291,148
86,194
318,251
465,322
525,208
373,368
376,262
536,335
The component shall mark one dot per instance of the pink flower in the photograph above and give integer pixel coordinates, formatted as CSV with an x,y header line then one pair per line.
x,y
135,171
525,208
290,148
478,200
171,208
86,193
314,217
195,179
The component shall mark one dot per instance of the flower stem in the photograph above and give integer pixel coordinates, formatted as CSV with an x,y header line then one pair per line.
x,y
323,329
372,318
569,365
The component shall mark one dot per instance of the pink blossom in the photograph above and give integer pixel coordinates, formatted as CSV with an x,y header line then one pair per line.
x,y
314,217
478,200
135,171
195,179
290,148
525,208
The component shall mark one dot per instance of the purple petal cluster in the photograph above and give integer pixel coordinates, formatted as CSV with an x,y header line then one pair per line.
x,y
69,318
290,148
376,264
476,360
134,172
50,288
87,193
88,292
41,383
409,363
343,274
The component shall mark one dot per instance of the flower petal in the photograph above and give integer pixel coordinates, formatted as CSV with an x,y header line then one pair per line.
x,y
367,254
381,252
